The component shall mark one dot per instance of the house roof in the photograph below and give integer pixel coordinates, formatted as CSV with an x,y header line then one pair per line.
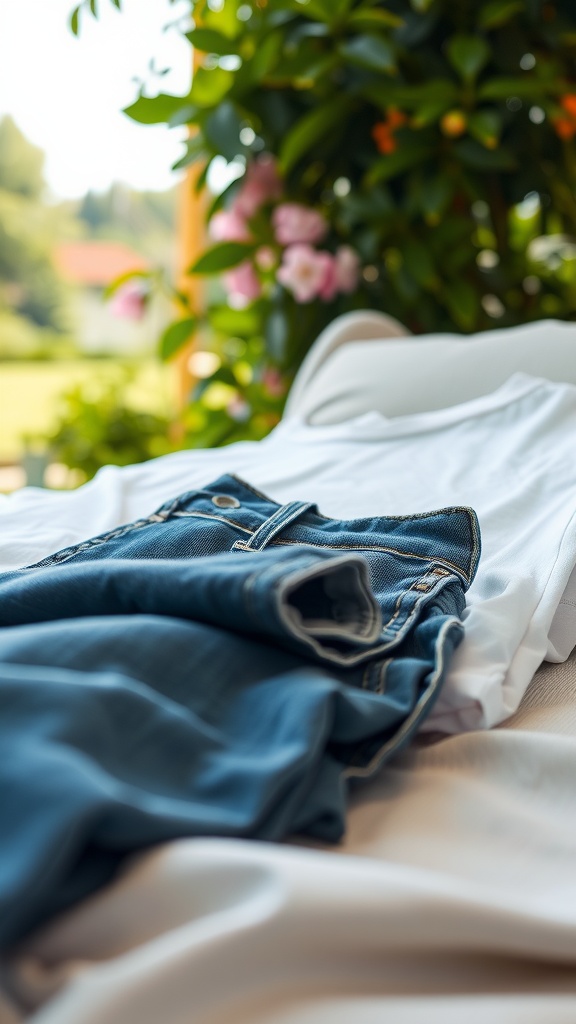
x,y
96,263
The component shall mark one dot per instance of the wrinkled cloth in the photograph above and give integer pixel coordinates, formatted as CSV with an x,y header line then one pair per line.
x,y
221,667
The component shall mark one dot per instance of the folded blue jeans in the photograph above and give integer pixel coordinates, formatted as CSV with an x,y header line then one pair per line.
x,y
223,667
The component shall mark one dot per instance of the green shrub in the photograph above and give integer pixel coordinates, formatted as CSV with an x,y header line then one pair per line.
x,y
96,428
432,139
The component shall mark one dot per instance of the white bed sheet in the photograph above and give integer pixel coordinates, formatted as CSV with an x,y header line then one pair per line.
x,y
452,897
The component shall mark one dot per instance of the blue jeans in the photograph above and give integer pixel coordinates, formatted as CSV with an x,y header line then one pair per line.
x,y
221,667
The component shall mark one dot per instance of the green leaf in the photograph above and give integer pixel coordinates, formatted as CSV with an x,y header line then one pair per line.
x,y
429,113
128,275
195,150
412,97
155,109
374,19
308,130
75,20
186,114
222,129
221,257
117,4
468,55
209,86
176,335
396,163
235,322
261,62
420,264
463,303
436,196
209,41
421,6
370,51
202,178
526,87
93,8
486,126
497,13
472,154
320,10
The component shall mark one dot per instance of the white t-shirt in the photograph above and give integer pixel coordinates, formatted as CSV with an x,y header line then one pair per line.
x,y
510,455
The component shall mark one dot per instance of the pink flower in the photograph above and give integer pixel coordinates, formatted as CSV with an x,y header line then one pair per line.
x,y
242,284
273,382
329,287
265,257
294,223
307,273
130,301
347,268
238,409
261,183
229,226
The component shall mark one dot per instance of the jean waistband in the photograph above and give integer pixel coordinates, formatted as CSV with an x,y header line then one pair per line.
x,y
450,536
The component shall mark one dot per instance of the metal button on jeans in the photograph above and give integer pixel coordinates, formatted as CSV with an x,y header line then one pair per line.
x,y
225,501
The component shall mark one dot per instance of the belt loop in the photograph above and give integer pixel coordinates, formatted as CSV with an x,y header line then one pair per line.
x,y
272,526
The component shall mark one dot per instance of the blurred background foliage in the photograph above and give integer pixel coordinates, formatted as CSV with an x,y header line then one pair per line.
x,y
433,138
32,314
59,399
416,157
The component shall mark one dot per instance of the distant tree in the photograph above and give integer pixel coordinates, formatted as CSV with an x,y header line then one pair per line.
x,y
21,163
145,220
29,286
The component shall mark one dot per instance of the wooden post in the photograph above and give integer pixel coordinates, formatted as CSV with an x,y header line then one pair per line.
x,y
191,242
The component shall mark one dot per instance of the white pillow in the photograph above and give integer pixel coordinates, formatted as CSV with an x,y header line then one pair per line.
x,y
345,375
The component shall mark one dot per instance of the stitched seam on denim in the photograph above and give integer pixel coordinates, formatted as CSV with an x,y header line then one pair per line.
x,y
208,515
168,507
410,614
417,711
437,559
383,672
440,585
366,677
94,542
450,510
275,523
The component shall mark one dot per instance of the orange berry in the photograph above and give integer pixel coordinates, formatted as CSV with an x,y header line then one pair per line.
x,y
453,124
568,102
565,128
395,118
382,135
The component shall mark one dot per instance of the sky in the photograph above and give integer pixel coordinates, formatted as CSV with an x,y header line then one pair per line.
x,y
66,94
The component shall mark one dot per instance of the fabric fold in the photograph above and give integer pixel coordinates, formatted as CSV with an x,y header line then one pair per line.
x,y
308,601
167,680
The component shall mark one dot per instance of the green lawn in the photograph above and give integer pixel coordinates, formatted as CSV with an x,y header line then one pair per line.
x,y
29,394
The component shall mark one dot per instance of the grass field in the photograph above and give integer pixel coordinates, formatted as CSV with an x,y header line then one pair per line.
x,y
30,392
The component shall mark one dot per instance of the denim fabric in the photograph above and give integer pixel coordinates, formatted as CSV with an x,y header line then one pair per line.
x,y
221,667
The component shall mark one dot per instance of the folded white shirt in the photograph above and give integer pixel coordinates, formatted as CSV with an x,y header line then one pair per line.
x,y
509,455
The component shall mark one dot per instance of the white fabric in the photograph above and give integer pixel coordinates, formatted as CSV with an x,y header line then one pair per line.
x,y
360,325
509,455
358,363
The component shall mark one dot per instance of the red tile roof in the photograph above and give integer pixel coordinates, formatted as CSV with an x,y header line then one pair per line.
x,y
96,263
